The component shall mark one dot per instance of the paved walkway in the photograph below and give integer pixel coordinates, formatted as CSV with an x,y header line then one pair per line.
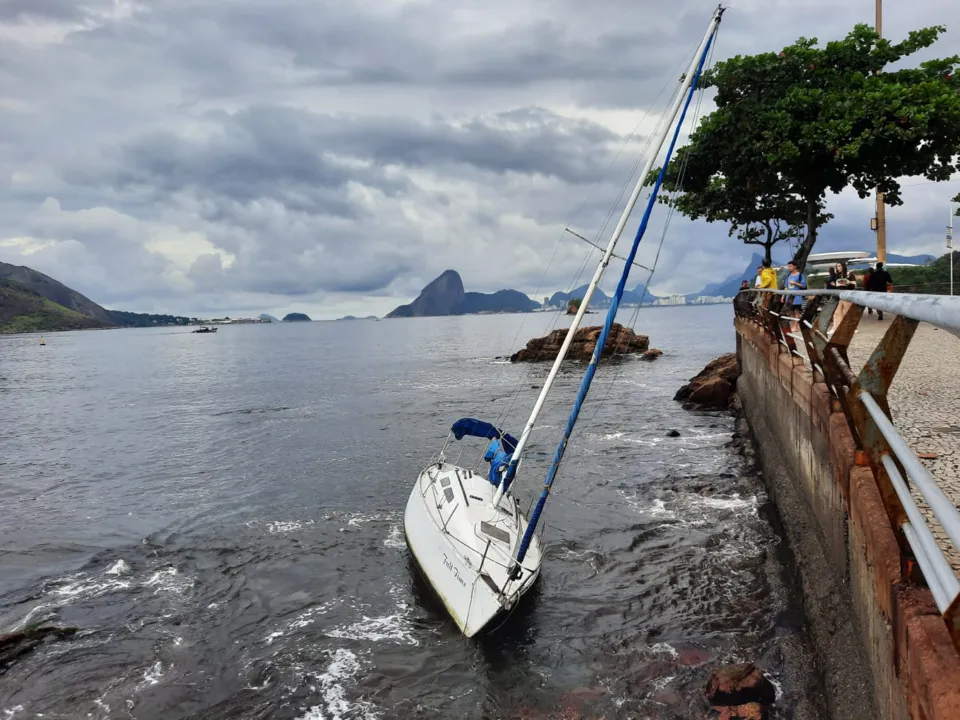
x,y
925,404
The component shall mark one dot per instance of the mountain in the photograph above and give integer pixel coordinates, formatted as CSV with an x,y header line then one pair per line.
x,y
25,310
910,259
445,296
56,291
296,317
730,286
267,318
600,299
639,295
69,299
560,299
354,317
500,301
439,297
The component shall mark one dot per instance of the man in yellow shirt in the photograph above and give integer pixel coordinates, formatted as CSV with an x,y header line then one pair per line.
x,y
768,276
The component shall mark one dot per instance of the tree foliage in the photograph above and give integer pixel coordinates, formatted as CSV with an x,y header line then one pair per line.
x,y
792,125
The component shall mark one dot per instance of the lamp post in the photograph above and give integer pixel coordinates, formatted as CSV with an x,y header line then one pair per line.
x,y
950,242
881,219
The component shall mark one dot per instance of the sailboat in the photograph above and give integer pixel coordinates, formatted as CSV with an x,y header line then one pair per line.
x,y
465,529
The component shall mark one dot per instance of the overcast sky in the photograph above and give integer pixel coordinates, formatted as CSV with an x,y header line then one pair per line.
x,y
247,156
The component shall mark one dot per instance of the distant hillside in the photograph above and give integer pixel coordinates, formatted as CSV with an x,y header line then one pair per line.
x,y
730,286
69,299
600,299
931,279
52,290
23,310
296,317
445,296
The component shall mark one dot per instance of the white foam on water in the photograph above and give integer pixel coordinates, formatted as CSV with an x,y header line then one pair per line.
x,y
777,687
661,683
90,587
343,668
9,713
118,568
307,617
663,648
394,628
735,502
395,538
357,518
153,674
389,628
168,580
282,527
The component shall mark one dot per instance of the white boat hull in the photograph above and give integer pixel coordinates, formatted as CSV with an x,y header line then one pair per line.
x,y
464,547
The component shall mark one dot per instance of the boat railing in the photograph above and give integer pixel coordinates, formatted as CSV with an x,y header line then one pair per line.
x,y
862,397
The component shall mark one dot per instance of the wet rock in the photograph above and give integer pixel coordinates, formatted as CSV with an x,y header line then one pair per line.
x,y
737,685
673,433
16,644
651,354
621,341
713,387
749,711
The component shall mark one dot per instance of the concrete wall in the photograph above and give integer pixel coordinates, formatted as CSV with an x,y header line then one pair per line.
x,y
884,648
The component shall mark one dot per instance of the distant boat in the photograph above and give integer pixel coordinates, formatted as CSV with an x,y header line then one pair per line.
x,y
205,329
42,342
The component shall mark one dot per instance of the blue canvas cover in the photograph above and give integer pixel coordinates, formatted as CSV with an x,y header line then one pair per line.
x,y
498,453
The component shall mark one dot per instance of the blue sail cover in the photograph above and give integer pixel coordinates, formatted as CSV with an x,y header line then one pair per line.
x,y
500,450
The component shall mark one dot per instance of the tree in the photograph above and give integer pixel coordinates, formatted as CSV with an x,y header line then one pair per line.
x,y
957,200
790,126
573,306
757,208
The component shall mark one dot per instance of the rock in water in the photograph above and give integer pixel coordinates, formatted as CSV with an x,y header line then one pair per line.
x,y
713,387
737,685
651,354
620,341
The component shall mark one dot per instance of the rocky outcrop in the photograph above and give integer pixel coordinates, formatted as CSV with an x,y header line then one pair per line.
x,y
713,388
296,317
651,354
740,691
445,296
621,340
16,644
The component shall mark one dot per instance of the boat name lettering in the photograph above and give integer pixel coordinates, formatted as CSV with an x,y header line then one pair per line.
x,y
456,573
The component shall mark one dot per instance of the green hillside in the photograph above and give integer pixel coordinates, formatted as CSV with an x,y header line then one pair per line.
x,y
23,310
933,279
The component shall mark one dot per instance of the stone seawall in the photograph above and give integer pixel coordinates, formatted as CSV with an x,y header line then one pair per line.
x,y
883,646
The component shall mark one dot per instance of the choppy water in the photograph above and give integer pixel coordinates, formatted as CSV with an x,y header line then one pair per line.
x,y
221,517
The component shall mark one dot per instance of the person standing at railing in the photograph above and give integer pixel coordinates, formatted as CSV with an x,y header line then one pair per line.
x,y
795,281
839,280
879,281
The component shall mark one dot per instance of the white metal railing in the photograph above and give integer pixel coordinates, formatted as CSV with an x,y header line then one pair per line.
x,y
941,311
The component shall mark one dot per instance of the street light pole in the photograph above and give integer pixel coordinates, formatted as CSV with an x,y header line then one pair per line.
x,y
950,243
881,208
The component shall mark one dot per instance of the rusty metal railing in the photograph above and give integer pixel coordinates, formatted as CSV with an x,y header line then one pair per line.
x,y
806,333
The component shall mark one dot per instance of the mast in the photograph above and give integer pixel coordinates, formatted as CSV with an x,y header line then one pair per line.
x,y
659,139
690,86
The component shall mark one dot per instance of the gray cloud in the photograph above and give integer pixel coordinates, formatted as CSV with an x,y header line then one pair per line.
x,y
207,154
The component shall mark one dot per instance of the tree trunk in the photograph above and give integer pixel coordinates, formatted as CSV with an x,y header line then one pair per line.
x,y
768,251
803,252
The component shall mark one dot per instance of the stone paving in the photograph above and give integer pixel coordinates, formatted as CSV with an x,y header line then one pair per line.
x,y
925,404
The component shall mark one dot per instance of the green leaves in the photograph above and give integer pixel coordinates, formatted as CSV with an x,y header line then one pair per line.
x,y
792,125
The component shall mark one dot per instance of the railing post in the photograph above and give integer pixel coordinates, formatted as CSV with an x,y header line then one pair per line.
x,y
875,378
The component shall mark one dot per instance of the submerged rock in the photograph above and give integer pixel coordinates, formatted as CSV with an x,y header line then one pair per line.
x,y
651,354
713,387
737,685
621,340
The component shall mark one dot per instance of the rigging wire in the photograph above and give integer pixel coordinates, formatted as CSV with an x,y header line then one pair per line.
x,y
671,211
